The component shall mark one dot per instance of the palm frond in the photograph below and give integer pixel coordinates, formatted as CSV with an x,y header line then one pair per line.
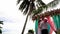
x,y
40,9
18,1
40,2
26,10
27,7
1,22
53,3
32,7
22,4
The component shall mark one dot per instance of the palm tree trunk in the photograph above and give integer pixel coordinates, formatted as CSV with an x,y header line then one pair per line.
x,y
25,24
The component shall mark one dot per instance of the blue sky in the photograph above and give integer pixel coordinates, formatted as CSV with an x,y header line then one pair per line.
x,y
13,18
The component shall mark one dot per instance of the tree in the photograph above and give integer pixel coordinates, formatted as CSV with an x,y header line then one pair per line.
x,y
28,7
30,32
1,22
51,4
1,27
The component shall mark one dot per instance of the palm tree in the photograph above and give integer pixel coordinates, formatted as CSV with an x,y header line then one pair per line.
x,y
25,5
28,7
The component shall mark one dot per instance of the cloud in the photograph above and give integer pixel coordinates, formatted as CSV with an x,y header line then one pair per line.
x,y
5,19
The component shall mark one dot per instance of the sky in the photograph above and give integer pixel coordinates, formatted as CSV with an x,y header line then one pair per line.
x,y
13,18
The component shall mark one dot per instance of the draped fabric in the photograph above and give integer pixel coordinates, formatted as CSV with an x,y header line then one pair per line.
x,y
48,28
59,21
56,19
36,26
52,26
